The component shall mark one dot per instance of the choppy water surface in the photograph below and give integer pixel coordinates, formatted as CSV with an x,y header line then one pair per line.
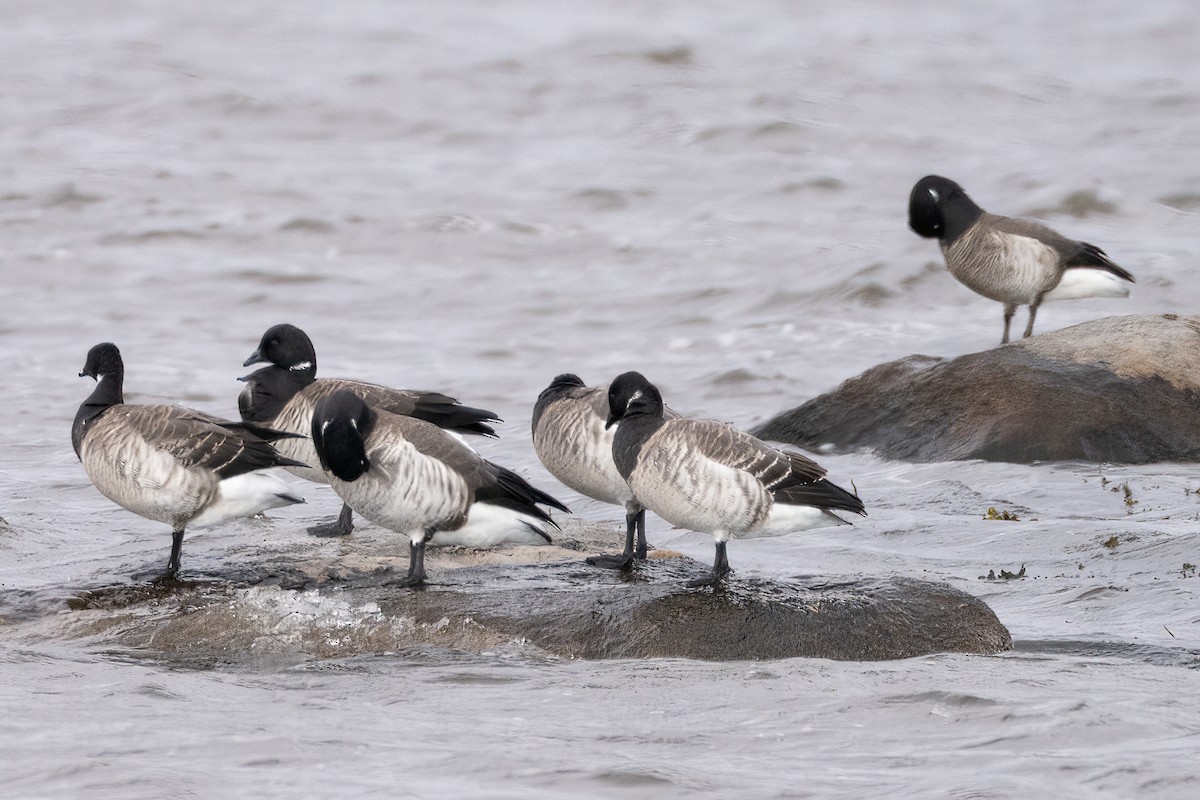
x,y
477,196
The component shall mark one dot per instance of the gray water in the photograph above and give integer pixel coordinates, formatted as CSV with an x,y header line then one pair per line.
x,y
476,196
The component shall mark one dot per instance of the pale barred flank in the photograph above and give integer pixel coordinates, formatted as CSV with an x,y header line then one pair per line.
x,y
572,443
421,479
1012,263
406,490
142,477
166,463
694,474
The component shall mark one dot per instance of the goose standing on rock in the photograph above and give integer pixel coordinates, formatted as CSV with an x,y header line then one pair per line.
x,y
1018,262
708,476
574,444
414,478
284,394
172,464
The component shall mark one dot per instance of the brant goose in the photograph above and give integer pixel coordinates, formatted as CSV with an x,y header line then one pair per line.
x,y
283,395
173,464
708,476
1018,262
412,477
574,444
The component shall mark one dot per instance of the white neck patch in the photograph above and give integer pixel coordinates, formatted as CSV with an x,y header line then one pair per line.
x,y
300,366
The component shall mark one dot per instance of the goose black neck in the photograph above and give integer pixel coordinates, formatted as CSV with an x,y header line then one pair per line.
x,y
269,389
633,431
108,393
959,212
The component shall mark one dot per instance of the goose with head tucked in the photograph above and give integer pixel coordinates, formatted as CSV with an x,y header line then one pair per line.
x,y
1017,262
707,476
172,464
414,478
574,444
283,395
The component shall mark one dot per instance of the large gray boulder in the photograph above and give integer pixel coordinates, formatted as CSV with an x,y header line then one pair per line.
x,y
288,613
1119,389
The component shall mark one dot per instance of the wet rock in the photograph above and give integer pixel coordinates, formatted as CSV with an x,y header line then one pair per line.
x,y
1119,389
252,616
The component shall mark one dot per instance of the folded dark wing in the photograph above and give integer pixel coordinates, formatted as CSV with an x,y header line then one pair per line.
x,y
1090,256
196,439
790,477
433,407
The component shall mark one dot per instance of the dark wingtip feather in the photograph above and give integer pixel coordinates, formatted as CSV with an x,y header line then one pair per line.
x,y
541,532
1092,256
446,413
478,428
547,500
821,494
512,491
263,432
284,461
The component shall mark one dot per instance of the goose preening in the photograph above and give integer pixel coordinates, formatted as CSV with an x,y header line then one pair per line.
x,y
708,476
574,444
172,464
283,395
412,477
1018,262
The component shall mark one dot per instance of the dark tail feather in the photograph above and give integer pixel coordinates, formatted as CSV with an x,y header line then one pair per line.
x,y
259,452
446,413
512,491
284,461
1095,258
541,532
263,432
255,454
821,494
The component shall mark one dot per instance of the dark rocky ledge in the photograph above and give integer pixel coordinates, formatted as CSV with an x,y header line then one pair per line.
x,y
315,609
1119,389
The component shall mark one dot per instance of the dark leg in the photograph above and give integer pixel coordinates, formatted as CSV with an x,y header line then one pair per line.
x,y
721,563
641,534
634,523
343,526
416,564
173,561
719,571
1009,310
1033,307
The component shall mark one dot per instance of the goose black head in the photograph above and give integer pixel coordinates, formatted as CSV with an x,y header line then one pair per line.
x,y
341,424
567,380
938,208
103,360
105,365
559,387
629,394
285,346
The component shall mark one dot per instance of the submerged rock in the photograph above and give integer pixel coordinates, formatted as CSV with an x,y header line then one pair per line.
x,y
1119,389
564,609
